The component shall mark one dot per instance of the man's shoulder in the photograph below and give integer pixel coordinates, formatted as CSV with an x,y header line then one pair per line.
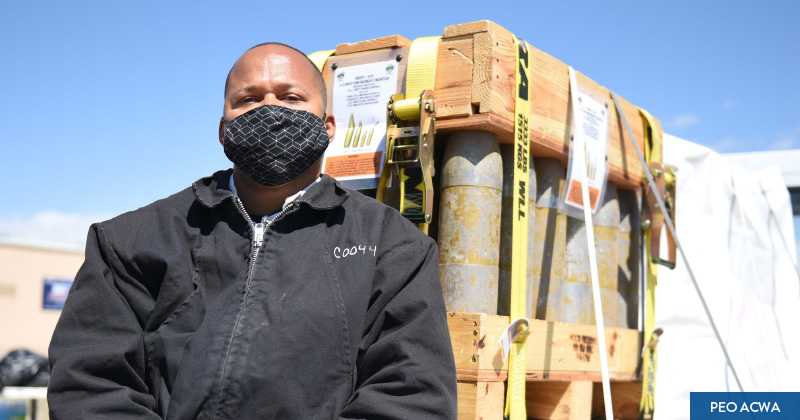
x,y
159,212
173,203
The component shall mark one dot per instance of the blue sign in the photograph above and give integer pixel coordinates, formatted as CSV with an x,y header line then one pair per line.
x,y
55,293
744,405
12,410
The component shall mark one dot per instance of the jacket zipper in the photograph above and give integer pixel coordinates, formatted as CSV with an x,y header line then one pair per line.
x,y
258,240
259,229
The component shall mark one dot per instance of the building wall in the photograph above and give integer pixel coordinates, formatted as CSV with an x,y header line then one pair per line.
x,y
23,268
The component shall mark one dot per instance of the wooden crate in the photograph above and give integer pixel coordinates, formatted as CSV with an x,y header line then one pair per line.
x,y
563,371
474,87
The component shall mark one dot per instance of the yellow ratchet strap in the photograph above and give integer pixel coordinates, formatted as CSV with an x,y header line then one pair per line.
x,y
421,69
320,57
515,397
651,226
410,133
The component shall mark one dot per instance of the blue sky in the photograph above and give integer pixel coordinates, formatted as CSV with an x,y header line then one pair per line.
x,y
107,106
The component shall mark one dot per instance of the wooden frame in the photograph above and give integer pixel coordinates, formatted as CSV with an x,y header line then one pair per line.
x,y
474,87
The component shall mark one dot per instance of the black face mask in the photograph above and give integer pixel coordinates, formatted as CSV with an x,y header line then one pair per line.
x,y
273,145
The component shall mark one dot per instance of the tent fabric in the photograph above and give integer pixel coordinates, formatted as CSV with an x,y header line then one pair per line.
x,y
736,230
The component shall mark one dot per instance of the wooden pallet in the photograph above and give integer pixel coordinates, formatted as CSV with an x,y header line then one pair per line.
x,y
563,373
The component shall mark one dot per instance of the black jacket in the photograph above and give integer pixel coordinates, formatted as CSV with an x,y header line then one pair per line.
x,y
176,314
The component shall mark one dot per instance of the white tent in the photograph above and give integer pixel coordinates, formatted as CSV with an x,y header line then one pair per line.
x,y
736,230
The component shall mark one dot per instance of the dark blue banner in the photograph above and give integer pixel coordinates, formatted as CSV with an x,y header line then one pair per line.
x,y
744,405
55,293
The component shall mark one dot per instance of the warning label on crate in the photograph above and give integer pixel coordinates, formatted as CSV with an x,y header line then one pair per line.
x,y
354,165
587,155
575,195
360,96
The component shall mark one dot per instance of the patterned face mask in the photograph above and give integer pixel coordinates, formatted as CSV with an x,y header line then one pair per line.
x,y
273,145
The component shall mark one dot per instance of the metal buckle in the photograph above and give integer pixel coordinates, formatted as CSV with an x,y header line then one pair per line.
x,y
411,147
654,216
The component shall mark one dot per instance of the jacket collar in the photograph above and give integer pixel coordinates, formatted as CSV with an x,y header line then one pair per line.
x,y
214,189
325,194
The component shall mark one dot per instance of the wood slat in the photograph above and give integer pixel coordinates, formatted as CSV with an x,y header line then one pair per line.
x,y
392,41
481,400
554,350
473,28
551,400
454,70
625,400
559,400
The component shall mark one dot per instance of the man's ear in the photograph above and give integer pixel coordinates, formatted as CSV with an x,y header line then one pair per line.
x,y
221,131
330,126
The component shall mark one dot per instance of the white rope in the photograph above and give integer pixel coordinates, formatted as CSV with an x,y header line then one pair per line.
x,y
579,158
671,228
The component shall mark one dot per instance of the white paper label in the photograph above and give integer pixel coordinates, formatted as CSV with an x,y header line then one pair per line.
x,y
360,96
589,147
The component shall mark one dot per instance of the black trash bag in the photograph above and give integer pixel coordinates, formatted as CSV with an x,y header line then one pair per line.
x,y
41,379
20,367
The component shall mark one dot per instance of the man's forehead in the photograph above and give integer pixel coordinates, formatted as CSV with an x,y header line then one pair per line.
x,y
271,63
276,60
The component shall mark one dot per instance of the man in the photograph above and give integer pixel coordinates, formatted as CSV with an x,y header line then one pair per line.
x,y
265,292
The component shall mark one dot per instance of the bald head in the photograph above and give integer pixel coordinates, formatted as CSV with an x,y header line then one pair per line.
x,y
300,60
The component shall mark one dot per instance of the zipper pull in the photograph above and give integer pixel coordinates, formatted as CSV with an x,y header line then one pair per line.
x,y
258,238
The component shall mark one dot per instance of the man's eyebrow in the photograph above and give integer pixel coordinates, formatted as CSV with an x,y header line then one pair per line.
x,y
284,85
246,89
288,85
